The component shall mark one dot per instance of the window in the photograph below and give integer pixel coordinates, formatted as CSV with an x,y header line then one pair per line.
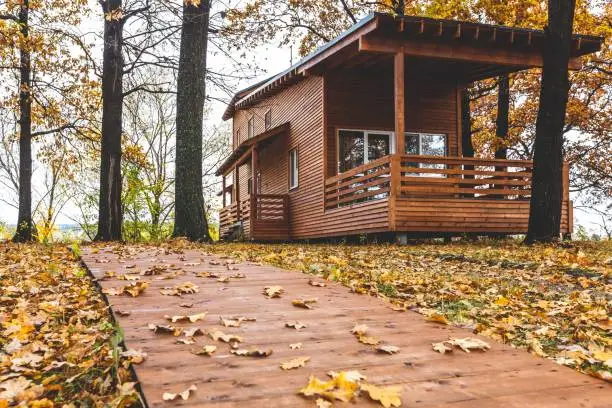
x,y
237,140
268,119
426,144
356,147
250,186
293,169
251,127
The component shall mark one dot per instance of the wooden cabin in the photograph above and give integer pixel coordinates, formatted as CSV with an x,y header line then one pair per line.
x,y
363,137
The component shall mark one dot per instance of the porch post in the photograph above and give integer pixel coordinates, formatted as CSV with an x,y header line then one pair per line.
x,y
399,86
254,169
237,191
223,189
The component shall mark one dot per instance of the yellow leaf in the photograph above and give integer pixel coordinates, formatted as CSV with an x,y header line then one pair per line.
x,y
359,329
252,352
442,347
437,318
206,350
388,396
501,301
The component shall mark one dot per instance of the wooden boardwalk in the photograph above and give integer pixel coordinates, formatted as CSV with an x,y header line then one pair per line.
x,y
502,376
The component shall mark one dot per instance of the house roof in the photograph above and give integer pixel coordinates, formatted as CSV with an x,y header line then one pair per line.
x,y
237,156
431,34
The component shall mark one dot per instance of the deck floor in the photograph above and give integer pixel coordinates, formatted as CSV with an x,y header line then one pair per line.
x,y
502,376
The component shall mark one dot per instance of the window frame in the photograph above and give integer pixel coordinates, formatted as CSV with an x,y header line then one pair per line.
x,y
366,145
251,127
268,119
291,168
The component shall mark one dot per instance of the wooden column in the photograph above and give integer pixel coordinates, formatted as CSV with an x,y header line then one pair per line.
x,y
237,191
400,114
223,189
254,169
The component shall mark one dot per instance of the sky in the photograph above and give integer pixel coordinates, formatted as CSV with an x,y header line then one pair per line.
x,y
270,60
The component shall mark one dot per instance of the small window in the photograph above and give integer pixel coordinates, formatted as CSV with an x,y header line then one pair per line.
x,y
250,186
237,141
293,169
268,119
250,127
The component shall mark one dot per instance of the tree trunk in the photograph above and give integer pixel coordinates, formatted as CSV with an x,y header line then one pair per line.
x,y
25,225
466,125
467,148
190,216
501,122
110,214
545,209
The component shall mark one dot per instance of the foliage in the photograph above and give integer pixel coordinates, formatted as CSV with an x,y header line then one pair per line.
x,y
59,342
552,300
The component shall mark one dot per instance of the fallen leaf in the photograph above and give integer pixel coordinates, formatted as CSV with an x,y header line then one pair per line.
x,y
360,329
295,346
313,282
295,324
13,387
442,347
295,363
122,313
387,396
134,356
469,343
169,396
251,352
206,350
193,331
368,340
437,318
165,329
224,279
305,303
217,335
388,349
273,291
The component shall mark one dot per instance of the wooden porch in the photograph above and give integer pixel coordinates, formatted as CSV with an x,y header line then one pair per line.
x,y
420,194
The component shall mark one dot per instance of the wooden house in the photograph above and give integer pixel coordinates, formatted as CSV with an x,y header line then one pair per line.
x,y
363,137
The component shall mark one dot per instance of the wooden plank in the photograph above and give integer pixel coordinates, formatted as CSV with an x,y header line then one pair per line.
x,y
458,52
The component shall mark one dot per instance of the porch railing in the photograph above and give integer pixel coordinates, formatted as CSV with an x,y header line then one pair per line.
x,y
253,211
433,176
464,177
363,183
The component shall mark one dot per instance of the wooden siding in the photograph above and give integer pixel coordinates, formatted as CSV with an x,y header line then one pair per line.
x,y
465,215
364,100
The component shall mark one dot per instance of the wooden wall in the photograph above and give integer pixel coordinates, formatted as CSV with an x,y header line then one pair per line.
x,y
364,100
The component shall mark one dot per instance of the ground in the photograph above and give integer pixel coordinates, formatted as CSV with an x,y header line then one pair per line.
x,y
60,344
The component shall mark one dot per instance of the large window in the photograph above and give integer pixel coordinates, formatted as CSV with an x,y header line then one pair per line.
x,y
293,169
356,147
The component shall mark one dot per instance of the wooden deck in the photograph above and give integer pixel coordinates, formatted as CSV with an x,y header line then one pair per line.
x,y
502,376
420,194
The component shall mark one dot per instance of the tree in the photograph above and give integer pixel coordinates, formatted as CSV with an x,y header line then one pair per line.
x,y
547,186
109,206
189,212
33,37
